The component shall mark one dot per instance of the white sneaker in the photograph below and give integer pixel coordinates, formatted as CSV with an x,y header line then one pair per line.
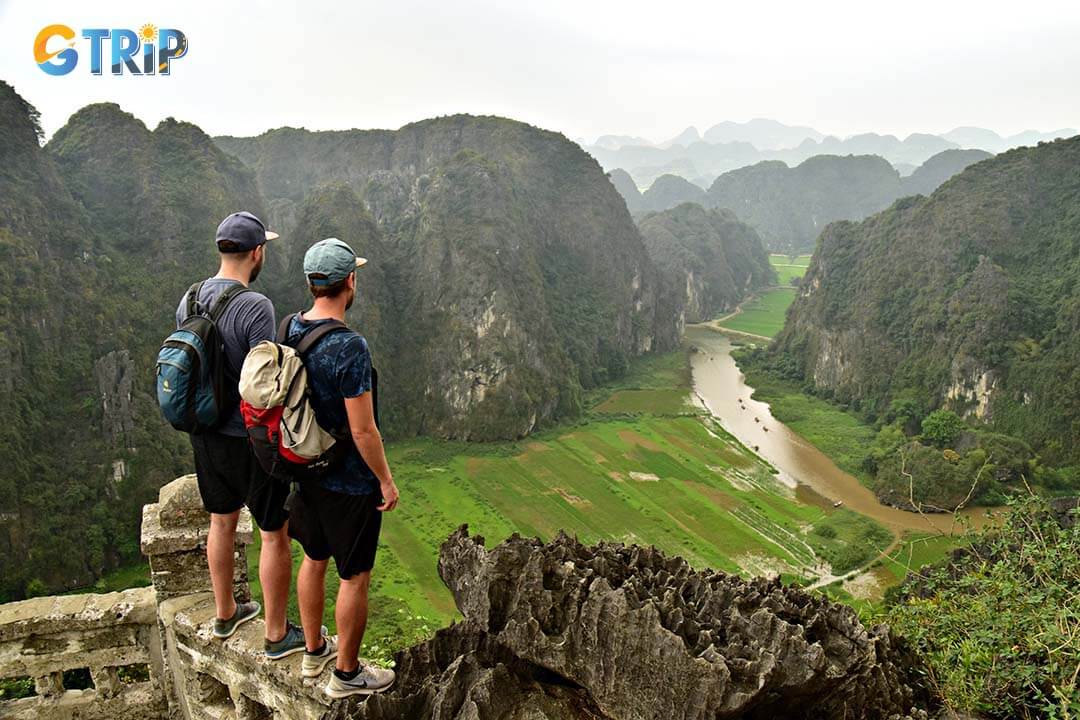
x,y
369,680
313,665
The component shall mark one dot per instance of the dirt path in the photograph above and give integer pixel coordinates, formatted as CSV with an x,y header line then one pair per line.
x,y
717,324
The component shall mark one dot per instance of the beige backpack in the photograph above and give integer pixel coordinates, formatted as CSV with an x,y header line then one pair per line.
x,y
274,400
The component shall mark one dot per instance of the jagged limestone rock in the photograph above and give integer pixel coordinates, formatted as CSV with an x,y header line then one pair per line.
x,y
647,636
463,674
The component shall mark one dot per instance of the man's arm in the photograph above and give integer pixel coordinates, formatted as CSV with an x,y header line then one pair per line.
x,y
369,442
260,322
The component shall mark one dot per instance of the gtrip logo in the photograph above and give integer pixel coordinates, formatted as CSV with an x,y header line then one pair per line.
x,y
147,51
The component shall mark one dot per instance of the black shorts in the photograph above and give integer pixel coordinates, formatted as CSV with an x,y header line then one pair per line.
x,y
230,477
328,523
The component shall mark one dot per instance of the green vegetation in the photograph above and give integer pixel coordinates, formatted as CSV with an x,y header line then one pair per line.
x,y
16,688
80,320
916,551
710,260
503,261
889,456
789,268
965,301
129,576
764,315
848,540
632,471
789,206
1000,627
942,428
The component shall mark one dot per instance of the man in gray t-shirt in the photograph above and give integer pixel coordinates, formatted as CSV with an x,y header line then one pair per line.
x,y
247,321
228,473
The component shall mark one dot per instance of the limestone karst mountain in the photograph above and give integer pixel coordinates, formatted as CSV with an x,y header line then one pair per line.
x,y
762,133
926,178
506,276
667,191
790,206
626,187
982,139
518,277
713,260
967,299
614,142
728,146
102,231
687,137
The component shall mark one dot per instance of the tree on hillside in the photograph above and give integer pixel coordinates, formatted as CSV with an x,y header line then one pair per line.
x,y
942,427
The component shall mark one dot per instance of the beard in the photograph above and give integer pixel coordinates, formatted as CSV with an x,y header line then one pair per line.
x,y
256,270
351,300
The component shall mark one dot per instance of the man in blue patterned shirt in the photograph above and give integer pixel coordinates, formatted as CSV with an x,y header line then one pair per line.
x,y
340,514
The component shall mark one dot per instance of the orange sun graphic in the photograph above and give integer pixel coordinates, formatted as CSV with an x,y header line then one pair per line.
x,y
148,33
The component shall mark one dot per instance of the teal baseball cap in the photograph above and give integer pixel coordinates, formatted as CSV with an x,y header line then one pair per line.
x,y
330,261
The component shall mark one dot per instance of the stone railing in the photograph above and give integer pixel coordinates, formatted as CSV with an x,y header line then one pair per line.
x,y
110,642
205,678
149,653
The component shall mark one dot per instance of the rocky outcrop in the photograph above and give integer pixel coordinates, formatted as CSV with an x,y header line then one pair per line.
x,y
465,674
628,632
113,373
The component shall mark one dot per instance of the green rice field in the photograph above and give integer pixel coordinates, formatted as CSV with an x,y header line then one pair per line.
x,y
644,466
764,314
789,268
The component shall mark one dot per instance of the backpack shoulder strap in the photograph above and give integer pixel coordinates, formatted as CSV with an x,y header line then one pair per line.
x,y
225,298
283,328
318,334
193,298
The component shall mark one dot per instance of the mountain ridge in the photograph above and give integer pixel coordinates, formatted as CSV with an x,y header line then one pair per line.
x,y
981,320
790,206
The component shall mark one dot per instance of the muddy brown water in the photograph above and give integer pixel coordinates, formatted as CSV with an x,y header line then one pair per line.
x,y
721,386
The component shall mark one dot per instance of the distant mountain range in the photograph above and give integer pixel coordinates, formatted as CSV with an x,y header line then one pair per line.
x,y
701,157
790,206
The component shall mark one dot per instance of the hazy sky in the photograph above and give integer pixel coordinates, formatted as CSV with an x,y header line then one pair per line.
x,y
583,67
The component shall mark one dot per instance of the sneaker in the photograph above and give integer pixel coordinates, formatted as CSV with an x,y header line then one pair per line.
x,y
244,612
314,663
369,680
292,643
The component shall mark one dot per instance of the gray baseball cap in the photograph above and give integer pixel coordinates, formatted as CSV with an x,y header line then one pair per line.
x,y
245,230
330,261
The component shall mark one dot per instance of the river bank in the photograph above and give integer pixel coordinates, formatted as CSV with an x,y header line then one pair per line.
x,y
724,391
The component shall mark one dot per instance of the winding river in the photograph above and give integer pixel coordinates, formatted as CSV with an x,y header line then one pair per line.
x,y
816,479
